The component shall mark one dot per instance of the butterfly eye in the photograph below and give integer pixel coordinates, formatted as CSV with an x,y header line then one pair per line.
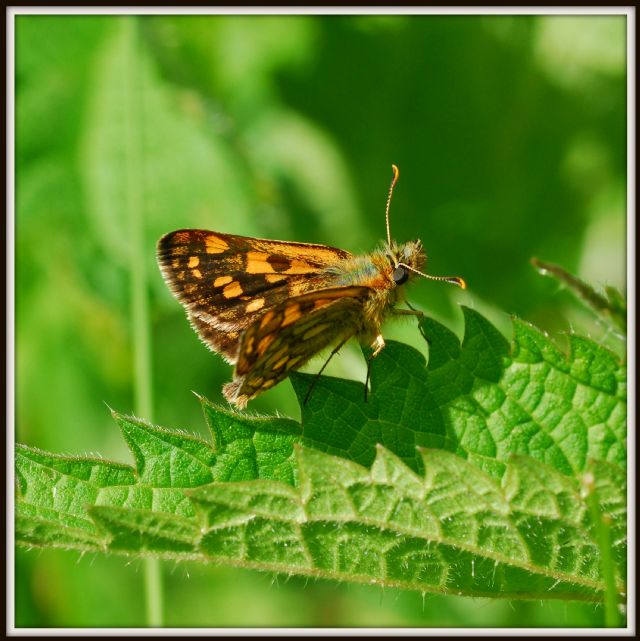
x,y
400,275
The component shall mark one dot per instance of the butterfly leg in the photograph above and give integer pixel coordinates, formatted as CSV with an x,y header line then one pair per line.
x,y
317,376
412,311
378,345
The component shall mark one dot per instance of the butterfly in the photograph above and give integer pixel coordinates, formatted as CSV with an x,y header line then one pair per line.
x,y
268,306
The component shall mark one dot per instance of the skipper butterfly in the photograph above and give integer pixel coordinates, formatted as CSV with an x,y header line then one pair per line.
x,y
268,306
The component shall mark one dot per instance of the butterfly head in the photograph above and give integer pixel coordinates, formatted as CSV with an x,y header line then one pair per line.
x,y
406,260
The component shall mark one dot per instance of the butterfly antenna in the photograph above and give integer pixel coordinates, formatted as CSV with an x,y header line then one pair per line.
x,y
394,180
455,280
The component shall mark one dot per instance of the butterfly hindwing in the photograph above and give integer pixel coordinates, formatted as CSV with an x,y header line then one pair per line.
x,y
226,281
287,335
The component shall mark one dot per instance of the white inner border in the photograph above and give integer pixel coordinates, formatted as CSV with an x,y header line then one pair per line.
x,y
12,12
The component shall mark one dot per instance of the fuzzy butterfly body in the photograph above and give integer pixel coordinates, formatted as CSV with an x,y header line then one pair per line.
x,y
269,306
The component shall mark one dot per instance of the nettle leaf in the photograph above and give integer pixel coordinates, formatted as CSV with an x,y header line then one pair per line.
x,y
461,476
480,399
455,530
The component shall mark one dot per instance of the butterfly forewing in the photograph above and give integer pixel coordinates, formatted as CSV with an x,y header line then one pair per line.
x,y
226,281
290,333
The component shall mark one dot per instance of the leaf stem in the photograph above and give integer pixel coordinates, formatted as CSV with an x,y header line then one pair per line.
x,y
134,180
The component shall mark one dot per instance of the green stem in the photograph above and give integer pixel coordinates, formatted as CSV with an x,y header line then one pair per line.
x,y
153,592
602,530
134,179
612,309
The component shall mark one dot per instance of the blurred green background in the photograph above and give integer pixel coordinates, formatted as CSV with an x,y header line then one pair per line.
x,y
510,135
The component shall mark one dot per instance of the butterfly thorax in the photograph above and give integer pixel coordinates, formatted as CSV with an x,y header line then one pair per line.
x,y
384,273
383,268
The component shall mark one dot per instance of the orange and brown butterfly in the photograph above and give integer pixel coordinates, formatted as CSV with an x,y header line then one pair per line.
x,y
268,306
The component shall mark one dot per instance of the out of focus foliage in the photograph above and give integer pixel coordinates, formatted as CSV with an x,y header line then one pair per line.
x,y
510,135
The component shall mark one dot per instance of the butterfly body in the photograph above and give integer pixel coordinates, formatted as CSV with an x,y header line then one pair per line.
x,y
269,306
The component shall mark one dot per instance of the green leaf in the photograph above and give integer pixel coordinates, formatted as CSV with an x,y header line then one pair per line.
x,y
455,530
167,459
53,493
252,447
460,476
479,399
146,531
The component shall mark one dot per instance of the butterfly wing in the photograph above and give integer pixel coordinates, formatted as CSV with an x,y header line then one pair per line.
x,y
289,334
225,282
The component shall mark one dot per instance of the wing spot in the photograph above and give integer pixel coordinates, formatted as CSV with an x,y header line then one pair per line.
x,y
194,261
233,290
299,267
276,357
281,362
257,263
222,280
266,319
274,278
215,245
257,382
268,383
197,273
255,305
294,361
263,345
291,315
278,263
314,331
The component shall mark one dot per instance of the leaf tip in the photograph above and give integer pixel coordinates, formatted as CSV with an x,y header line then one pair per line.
x,y
539,265
114,414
